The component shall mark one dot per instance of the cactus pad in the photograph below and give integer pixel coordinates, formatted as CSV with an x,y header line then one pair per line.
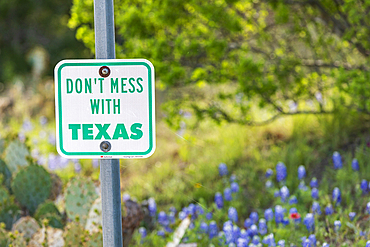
x,y
28,226
94,218
7,175
31,186
74,234
79,195
54,238
46,209
94,240
9,214
15,156
4,195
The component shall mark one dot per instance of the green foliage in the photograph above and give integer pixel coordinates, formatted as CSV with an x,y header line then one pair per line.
x,y
32,28
9,214
285,56
16,154
31,186
79,196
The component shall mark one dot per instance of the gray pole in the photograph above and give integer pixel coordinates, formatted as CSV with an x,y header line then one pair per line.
x,y
109,169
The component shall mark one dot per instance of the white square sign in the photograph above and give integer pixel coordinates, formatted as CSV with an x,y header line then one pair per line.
x,y
105,108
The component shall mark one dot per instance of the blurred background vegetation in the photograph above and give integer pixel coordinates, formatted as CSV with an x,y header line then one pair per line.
x,y
245,82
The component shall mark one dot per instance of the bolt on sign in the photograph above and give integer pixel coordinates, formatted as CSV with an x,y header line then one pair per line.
x,y
105,108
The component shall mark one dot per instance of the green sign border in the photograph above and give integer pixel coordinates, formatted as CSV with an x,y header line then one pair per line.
x,y
150,108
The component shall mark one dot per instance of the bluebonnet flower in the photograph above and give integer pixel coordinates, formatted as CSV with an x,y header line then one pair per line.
x,y
301,172
293,211
182,215
256,240
241,242
337,160
160,233
247,223
228,230
253,230
368,244
233,178
199,209
254,217
316,209
212,229
352,215
269,173
337,198
309,222
315,193
233,214
281,172
269,240
325,244
152,206
314,183
191,225
234,187
142,232
281,243
219,200
209,216
279,214
364,186
329,210
355,165
192,209
126,197
221,238
173,209
277,193
203,227
293,200
222,169
337,225
285,221
244,234
302,186
227,194
284,193
262,226
171,217
312,239
43,120
236,232
27,126
162,219
368,207
269,214
268,184
95,163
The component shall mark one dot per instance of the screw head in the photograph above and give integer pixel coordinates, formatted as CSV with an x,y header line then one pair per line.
x,y
105,146
104,71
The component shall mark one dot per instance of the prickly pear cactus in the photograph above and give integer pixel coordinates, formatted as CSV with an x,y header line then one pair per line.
x,y
74,234
31,186
7,175
46,208
94,240
4,195
56,187
94,218
9,214
79,195
4,238
15,156
28,226
49,236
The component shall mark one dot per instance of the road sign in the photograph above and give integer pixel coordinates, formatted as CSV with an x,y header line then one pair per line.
x,y
105,108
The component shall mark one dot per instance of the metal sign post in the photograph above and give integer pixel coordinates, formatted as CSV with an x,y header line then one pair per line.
x,y
109,168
